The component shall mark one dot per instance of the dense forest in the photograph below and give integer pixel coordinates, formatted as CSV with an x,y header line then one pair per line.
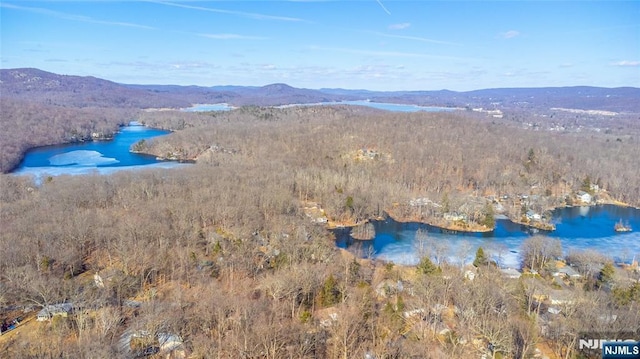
x,y
220,259
416,155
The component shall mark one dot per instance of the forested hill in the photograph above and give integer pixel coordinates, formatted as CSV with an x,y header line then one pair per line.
x,y
269,95
77,91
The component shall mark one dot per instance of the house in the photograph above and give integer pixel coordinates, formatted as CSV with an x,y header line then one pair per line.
x,y
54,310
561,298
533,216
143,343
454,217
584,197
566,271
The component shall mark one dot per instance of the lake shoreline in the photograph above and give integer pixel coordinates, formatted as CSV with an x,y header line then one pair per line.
x,y
101,152
578,228
476,228
543,226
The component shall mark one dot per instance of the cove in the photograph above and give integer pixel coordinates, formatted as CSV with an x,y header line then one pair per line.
x,y
101,157
578,228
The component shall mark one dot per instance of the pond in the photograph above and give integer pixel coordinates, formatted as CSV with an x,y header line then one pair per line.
x,y
578,228
100,157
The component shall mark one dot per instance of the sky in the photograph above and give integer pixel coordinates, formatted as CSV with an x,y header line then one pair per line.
x,y
365,44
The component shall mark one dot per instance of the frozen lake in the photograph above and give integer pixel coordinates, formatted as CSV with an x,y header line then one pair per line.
x,y
578,228
101,157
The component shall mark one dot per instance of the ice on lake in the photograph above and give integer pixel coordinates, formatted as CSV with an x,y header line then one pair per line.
x,y
82,158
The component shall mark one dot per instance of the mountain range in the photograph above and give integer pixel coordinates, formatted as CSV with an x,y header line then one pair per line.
x,y
31,84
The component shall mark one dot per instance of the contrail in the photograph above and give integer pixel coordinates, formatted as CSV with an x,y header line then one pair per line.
x,y
383,8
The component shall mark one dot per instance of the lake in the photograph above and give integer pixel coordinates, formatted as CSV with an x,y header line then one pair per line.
x,y
209,107
393,107
578,228
100,157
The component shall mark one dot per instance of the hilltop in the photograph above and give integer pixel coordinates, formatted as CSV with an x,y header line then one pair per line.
x,y
39,86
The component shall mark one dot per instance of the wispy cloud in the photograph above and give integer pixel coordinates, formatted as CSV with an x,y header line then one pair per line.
x,y
232,37
626,63
400,26
249,15
73,17
383,8
413,38
510,34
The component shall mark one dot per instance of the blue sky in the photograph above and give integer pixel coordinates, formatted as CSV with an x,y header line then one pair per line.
x,y
370,44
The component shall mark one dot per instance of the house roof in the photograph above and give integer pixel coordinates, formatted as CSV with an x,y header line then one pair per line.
x,y
511,273
568,271
54,309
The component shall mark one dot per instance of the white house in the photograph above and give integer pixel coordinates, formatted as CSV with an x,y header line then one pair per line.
x,y
584,197
533,216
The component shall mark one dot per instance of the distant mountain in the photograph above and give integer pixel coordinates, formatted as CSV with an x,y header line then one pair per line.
x,y
269,95
77,91
282,94
231,88
347,92
189,94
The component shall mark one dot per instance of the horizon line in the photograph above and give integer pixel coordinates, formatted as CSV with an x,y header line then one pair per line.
x,y
319,88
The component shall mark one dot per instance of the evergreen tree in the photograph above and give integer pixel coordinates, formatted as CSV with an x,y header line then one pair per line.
x,y
481,258
586,185
330,294
426,266
349,203
605,277
445,203
531,156
489,220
